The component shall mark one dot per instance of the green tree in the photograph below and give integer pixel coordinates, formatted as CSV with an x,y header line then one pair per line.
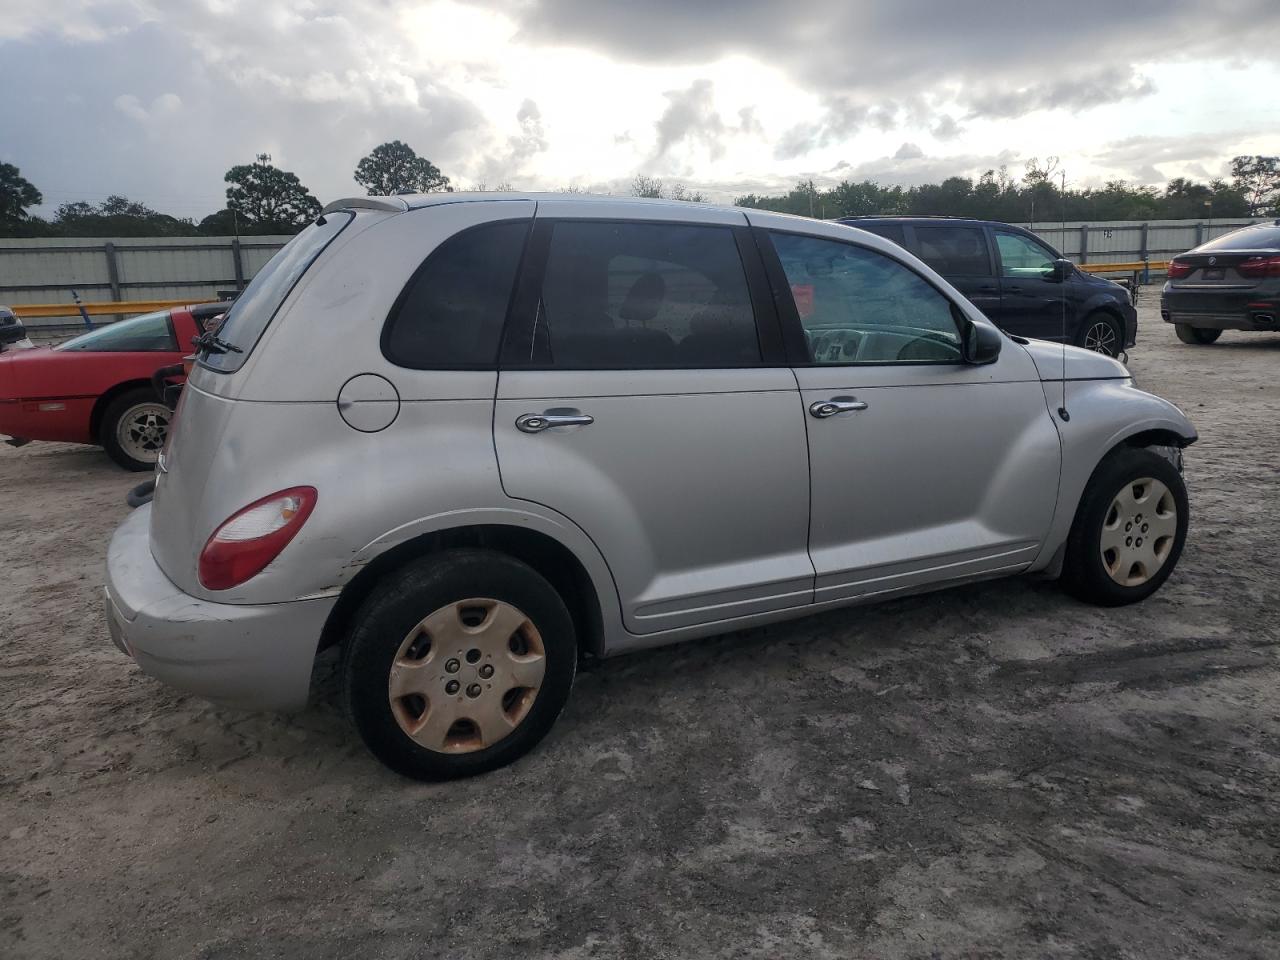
x,y
117,216
16,194
267,199
1258,180
394,168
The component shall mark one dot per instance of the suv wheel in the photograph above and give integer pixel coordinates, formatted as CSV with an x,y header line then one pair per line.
x,y
1200,335
1102,333
1129,529
458,664
133,429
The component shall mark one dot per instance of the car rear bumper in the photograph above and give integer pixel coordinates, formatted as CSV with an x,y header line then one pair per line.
x,y
252,657
1226,310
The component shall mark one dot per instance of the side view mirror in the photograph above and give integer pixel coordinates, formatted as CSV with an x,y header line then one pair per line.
x,y
1060,269
982,344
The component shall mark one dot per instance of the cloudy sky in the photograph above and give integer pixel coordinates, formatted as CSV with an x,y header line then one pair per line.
x,y
155,99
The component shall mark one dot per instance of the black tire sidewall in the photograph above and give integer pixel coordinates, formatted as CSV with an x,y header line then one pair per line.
x,y
415,591
1083,573
111,418
1197,336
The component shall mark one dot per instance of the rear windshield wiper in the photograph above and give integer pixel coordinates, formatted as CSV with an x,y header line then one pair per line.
x,y
214,344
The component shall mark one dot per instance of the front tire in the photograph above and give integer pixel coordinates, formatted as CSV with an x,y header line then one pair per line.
x,y
458,664
133,429
1101,333
1196,335
1129,529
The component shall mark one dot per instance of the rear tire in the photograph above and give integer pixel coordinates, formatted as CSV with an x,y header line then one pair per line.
x,y
1101,333
458,663
1196,335
1135,499
133,429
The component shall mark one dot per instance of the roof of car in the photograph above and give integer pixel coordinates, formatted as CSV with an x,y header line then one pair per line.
x,y
416,201
907,217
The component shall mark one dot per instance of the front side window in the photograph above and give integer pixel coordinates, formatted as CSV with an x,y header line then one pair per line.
x,y
149,333
257,305
1022,257
644,296
953,250
451,313
860,306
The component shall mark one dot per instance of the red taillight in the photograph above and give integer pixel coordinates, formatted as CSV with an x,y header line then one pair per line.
x,y
1179,270
1258,267
251,538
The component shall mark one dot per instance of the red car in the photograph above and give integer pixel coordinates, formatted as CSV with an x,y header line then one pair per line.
x,y
96,388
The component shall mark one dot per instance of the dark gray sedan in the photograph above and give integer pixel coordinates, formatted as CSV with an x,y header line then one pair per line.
x,y
1230,283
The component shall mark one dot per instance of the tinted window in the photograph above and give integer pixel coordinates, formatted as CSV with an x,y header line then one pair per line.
x,y
254,308
452,311
148,333
1261,236
890,231
1020,256
859,306
644,296
954,251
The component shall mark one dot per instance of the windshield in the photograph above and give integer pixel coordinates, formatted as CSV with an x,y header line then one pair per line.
x,y
149,333
1261,236
254,309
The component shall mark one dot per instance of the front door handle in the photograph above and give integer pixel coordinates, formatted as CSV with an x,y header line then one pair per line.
x,y
537,422
829,408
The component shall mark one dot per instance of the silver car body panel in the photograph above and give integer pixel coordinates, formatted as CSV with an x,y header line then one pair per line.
x,y
698,501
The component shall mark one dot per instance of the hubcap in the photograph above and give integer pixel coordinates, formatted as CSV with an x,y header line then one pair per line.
x,y
1101,338
142,429
466,675
1138,531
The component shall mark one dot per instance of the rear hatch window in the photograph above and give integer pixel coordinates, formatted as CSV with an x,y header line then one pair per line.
x,y
1260,236
254,309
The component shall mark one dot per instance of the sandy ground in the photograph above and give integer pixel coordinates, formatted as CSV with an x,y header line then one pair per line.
x,y
994,771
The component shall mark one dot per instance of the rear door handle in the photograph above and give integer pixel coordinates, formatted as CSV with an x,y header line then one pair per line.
x,y
829,408
537,422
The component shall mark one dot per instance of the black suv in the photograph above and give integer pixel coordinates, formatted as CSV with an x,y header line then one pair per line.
x,y
1016,279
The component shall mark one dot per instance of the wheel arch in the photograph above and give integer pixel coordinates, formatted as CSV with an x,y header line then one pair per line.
x,y
545,554
105,399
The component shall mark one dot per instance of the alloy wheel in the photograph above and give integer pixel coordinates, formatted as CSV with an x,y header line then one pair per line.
x,y
142,429
1101,338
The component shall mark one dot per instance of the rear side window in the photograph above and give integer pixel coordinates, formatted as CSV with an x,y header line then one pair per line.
x,y
149,333
451,313
644,296
1261,236
254,309
953,250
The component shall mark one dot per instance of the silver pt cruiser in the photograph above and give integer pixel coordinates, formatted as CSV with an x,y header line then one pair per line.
x,y
471,438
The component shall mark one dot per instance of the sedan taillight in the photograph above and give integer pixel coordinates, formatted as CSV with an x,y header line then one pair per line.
x,y
251,538
1179,270
1256,268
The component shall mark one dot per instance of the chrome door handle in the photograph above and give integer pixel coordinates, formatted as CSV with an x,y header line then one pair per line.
x,y
537,422
829,408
